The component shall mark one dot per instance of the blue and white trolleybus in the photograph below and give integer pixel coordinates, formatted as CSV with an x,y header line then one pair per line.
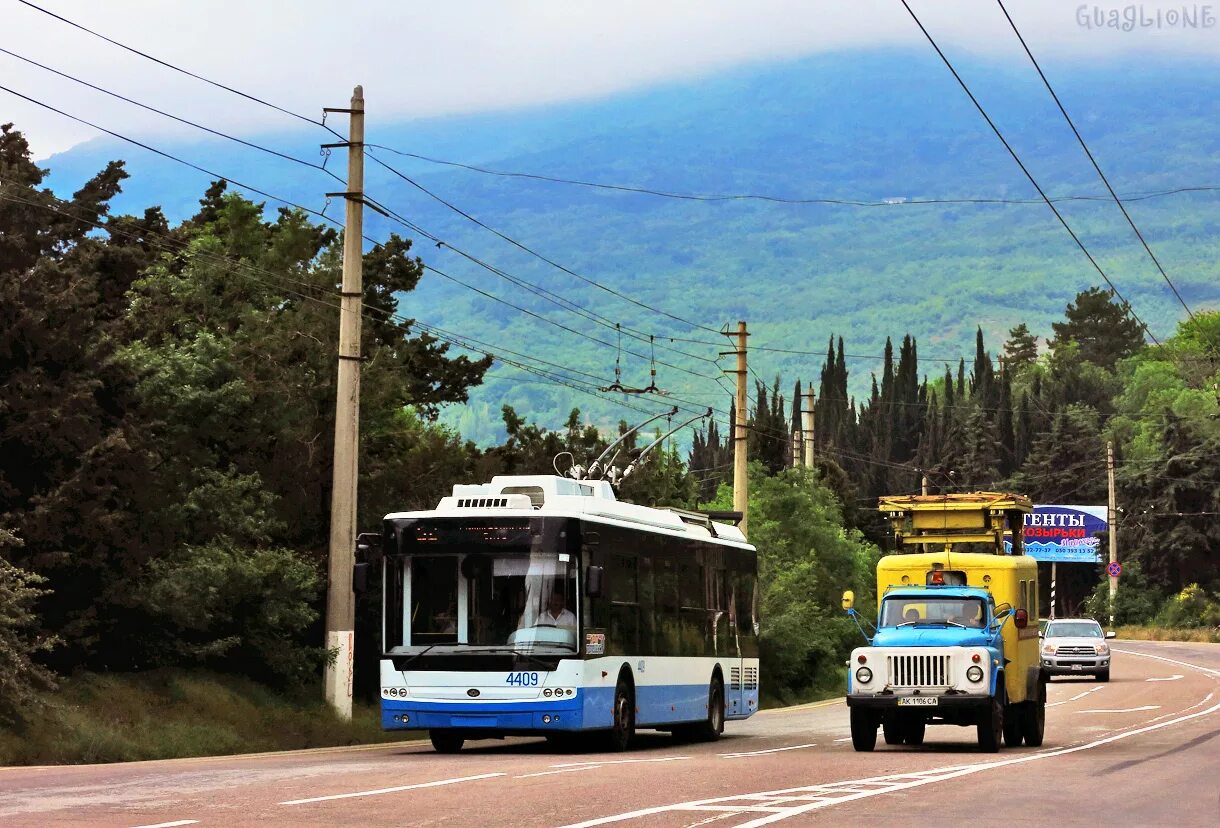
x,y
541,605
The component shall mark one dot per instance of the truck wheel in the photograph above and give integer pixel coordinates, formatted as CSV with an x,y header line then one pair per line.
x,y
1014,724
914,731
991,727
863,730
445,741
891,727
622,729
1033,723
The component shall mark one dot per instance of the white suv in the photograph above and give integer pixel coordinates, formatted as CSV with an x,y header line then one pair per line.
x,y
1075,646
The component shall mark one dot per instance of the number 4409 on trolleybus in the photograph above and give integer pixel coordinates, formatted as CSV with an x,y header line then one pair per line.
x,y
540,605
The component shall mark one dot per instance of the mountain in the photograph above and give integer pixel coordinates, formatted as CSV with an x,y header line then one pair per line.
x,y
863,125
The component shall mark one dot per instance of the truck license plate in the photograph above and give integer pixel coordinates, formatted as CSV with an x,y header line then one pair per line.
x,y
918,701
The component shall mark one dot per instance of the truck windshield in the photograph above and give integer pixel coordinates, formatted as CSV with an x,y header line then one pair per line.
x,y
1073,629
484,587
941,609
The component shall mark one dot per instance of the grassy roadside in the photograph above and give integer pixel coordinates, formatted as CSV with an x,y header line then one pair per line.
x,y
1139,633
164,714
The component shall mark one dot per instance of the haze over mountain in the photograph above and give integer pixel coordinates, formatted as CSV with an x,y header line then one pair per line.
x,y
859,125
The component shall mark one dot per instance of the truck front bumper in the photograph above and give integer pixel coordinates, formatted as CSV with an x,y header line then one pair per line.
x,y
890,701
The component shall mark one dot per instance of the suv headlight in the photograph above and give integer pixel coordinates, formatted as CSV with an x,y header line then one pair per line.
x,y
975,673
1102,649
864,675
1048,649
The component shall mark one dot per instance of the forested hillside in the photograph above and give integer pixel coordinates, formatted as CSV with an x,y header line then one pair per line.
x,y
877,127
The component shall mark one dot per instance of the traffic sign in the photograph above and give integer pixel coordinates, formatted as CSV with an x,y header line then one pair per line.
x,y
1114,569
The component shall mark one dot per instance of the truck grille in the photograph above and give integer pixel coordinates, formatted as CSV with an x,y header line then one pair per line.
x,y
919,670
1075,651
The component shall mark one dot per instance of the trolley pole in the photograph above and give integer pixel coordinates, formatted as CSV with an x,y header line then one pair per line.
x,y
807,427
1112,515
340,601
741,484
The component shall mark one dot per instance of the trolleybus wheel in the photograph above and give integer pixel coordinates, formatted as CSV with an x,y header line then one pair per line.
x,y
863,730
622,728
710,730
445,741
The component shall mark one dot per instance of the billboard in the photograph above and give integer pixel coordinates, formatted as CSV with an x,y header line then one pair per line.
x,y
1064,534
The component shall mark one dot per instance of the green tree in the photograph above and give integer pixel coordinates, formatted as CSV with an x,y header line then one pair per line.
x,y
20,637
1100,327
1021,349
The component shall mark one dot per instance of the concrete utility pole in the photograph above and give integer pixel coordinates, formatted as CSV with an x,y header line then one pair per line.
x,y
1112,515
741,493
340,601
807,428
1053,574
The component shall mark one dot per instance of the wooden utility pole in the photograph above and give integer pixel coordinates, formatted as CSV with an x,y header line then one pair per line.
x,y
741,494
807,428
340,601
1112,516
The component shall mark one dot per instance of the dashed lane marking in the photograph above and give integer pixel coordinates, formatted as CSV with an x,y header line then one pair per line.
x,y
1126,709
396,789
761,752
561,770
1174,677
171,824
844,739
620,761
1078,696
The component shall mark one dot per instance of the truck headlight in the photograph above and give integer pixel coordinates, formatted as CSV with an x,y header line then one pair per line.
x,y
975,674
864,675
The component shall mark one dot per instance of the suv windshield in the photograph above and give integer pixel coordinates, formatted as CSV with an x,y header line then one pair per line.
x,y
1073,629
941,609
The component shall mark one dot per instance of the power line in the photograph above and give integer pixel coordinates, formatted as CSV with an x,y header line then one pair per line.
x,y
532,251
169,65
173,117
382,163
714,197
1096,166
1127,305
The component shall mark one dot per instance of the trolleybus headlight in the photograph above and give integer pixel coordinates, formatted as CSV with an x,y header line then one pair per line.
x,y
864,675
546,719
975,674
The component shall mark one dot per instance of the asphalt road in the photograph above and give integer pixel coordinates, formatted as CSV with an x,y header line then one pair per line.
x,y
1143,749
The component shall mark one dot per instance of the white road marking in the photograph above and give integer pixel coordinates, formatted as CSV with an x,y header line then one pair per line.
x,y
1174,677
1125,709
171,824
761,752
620,761
1207,670
813,797
712,819
561,770
1079,696
354,794
844,739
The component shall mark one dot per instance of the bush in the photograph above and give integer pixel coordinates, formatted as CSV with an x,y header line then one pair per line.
x,y
1191,608
1137,601
19,636
243,610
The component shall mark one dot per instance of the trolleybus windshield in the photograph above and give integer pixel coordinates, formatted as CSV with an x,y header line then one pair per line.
x,y
482,587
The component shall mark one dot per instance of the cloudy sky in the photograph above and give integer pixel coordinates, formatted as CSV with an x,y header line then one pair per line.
x,y
418,58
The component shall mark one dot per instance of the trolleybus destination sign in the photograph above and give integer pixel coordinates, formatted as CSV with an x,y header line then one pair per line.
x,y
1065,534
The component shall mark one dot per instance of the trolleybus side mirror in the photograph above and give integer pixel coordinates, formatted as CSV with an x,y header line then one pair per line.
x,y
849,599
1020,619
593,581
360,578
